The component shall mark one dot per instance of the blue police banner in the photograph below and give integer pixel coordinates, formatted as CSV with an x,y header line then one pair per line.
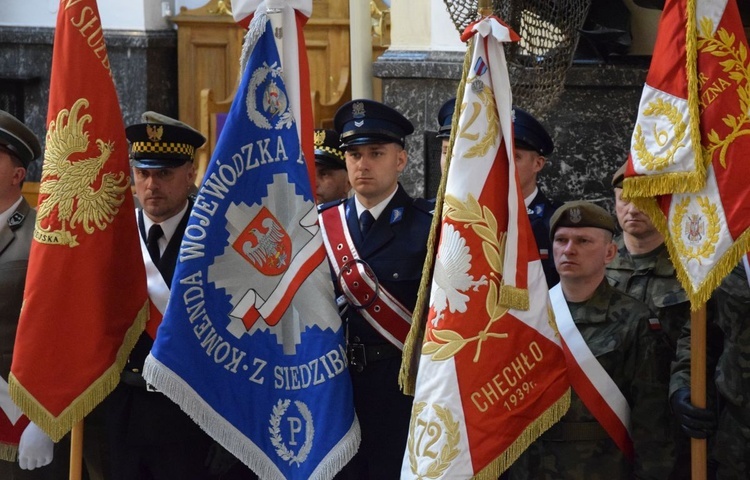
x,y
251,345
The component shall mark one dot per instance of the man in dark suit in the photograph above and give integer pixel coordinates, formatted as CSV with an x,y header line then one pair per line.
x,y
150,436
18,147
532,147
377,245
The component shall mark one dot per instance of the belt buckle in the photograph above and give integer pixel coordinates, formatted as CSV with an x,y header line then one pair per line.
x,y
357,356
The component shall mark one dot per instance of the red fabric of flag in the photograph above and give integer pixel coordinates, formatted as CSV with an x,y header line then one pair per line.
x,y
85,301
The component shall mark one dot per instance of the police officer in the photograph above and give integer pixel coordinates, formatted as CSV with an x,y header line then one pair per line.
x,y
150,436
388,230
616,336
532,147
18,147
331,179
445,123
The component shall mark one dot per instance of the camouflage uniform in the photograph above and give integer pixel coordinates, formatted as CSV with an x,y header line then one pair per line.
x,y
615,326
652,279
728,359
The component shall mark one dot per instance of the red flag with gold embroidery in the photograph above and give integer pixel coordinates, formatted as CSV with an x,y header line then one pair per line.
x,y
492,374
688,161
85,301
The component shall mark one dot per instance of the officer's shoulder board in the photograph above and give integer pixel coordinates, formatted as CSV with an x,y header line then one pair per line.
x,y
424,205
334,203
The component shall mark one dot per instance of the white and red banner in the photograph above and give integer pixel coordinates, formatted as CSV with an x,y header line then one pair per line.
x,y
688,161
85,301
492,374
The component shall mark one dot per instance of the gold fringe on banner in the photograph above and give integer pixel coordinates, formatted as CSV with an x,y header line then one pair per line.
x,y
8,452
535,429
407,377
57,427
514,297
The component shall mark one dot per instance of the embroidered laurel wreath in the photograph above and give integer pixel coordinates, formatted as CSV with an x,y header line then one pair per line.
x,y
481,220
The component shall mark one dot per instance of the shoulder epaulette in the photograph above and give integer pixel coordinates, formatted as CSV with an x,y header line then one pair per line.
x,y
333,203
424,205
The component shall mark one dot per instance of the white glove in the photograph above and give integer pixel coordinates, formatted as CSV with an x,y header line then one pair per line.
x,y
35,448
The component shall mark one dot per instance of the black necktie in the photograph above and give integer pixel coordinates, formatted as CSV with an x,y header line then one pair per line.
x,y
365,222
152,241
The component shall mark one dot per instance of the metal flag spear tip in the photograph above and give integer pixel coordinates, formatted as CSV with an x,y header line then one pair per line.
x,y
484,8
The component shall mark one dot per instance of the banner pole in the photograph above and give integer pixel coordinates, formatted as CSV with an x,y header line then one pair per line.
x,y
76,451
698,387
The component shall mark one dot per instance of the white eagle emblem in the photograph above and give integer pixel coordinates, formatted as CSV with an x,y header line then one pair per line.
x,y
451,276
268,246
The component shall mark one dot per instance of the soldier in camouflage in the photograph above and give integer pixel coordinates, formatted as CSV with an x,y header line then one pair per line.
x,y
615,327
642,268
726,422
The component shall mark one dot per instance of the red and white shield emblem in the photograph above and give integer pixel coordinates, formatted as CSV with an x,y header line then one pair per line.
x,y
265,244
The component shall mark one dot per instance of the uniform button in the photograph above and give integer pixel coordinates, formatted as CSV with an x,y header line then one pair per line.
x,y
135,370
395,275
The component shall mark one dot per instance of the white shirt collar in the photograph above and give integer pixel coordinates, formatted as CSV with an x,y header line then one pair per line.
x,y
531,197
168,226
377,209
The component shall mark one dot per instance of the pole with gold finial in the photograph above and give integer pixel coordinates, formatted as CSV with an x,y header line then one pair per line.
x,y
484,8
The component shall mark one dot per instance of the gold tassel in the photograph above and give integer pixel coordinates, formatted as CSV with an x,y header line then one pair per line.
x,y
8,452
514,297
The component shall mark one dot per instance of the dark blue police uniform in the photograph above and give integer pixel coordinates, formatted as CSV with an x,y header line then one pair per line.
x,y
395,248
529,134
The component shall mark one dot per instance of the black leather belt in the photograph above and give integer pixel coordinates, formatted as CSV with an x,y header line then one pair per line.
x,y
360,355
135,379
575,432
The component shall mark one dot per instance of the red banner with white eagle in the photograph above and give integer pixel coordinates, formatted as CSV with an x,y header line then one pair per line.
x,y
85,301
491,374
687,167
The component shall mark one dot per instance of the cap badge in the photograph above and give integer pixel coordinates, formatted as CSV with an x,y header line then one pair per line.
x,y
574,214
358,110
320,138
154,132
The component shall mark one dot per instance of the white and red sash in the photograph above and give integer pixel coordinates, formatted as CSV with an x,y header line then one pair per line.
x,y
590,381
380,309
158,291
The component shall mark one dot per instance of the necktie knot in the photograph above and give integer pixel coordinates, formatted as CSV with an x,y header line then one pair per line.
x,y
152,241
365,222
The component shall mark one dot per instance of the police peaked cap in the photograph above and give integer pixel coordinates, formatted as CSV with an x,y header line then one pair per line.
x,y
529,134
581,214
445,118
363,122
19,139
162,142
328,149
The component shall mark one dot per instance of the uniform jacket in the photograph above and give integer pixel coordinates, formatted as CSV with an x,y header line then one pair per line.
x,y
651,278
15,243
727,360
395,249
615,327
150,418
540,211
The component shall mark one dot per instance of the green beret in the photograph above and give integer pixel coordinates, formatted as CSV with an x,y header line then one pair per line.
x,y
581,214
619,176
